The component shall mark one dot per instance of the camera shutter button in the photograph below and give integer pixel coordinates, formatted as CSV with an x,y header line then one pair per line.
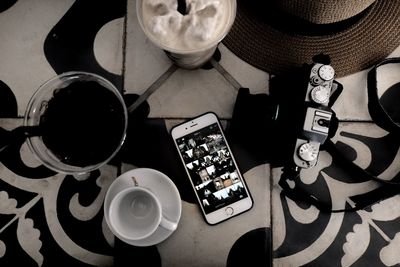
x,y
316,80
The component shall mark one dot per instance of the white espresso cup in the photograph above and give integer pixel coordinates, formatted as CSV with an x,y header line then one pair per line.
x,y
136,213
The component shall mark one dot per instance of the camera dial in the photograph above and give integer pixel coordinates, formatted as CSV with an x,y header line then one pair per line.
x,y
326,72
308,152
320,94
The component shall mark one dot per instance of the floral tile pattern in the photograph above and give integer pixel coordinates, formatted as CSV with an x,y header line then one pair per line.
x,y
53,219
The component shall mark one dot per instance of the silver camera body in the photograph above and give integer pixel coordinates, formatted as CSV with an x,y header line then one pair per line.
x,y
317,116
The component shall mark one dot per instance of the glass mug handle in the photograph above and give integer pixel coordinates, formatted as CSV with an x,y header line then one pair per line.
x,y
10,150
17,135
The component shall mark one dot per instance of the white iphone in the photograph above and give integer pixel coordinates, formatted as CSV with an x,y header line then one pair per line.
x,y
212,170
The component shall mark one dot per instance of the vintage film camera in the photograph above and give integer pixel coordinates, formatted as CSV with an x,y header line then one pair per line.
x,y
317,117
288,126
304,119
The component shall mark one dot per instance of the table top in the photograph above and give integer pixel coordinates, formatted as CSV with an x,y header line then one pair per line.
x,y
50,219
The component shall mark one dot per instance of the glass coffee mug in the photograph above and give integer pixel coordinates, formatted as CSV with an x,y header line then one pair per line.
x,y
74,123
190,33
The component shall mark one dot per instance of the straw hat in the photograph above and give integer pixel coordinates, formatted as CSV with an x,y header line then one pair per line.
x,y
279,35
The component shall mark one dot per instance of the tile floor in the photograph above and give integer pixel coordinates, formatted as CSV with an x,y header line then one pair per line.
x,y
49,219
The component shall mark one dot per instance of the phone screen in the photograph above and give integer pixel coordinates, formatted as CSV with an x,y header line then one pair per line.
x,y
211,167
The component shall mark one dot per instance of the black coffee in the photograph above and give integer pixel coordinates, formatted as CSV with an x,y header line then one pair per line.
x,y
83,123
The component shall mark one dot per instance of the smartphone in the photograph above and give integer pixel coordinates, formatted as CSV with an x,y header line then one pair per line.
x,y
212,170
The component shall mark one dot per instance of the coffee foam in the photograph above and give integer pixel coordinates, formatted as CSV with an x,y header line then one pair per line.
x,y
203,25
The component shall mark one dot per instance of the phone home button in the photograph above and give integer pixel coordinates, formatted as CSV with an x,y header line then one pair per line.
x,y
229,211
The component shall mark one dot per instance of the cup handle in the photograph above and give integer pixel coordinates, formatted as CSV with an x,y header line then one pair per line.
x,y
17,135
167,224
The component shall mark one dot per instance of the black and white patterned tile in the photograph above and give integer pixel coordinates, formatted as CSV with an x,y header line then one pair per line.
x,y
360,238
49,219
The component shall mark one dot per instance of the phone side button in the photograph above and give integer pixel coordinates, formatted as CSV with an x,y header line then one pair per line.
x,y
229,211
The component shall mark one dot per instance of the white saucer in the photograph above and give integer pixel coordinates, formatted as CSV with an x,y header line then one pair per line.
x,y
162,186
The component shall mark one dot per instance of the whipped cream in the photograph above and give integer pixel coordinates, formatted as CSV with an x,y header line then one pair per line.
x,y
204,24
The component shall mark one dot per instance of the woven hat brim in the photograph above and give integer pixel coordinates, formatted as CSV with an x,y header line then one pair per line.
x,y
358,47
